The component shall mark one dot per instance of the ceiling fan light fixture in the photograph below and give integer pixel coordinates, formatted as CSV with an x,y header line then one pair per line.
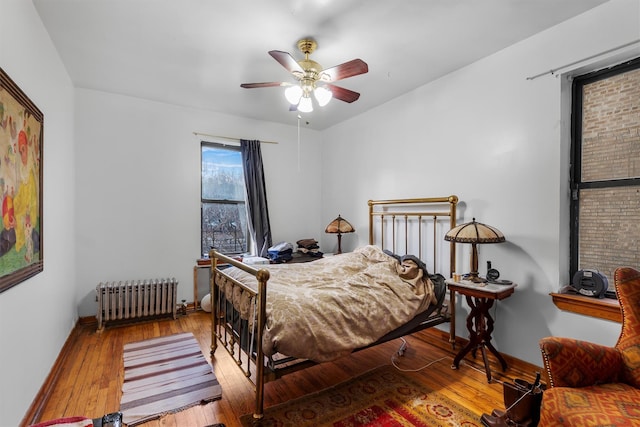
x,y
305,104
308,73
323,95
293,94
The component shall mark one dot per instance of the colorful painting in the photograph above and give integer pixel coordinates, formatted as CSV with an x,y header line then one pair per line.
x,y
21,128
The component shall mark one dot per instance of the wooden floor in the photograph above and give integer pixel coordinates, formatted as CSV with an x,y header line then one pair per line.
x,y
91,374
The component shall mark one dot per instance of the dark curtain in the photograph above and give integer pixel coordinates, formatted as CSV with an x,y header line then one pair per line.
x,y
257,209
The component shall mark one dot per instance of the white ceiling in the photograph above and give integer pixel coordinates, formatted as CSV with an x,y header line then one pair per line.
x,y
196,53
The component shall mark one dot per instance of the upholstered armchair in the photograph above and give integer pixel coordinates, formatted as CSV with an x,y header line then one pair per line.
x,y
591,384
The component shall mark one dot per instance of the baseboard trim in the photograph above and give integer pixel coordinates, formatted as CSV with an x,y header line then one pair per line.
x,y
88,320
32,416
92,320
516,368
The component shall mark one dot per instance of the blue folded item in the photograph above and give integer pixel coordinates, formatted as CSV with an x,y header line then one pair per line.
x,y
282,246
281,256
286,252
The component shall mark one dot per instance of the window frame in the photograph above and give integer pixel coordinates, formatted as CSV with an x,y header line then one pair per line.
x,y
203,201
576,183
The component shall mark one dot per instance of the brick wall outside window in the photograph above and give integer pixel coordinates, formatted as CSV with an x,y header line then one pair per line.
x,y
609,217
611,128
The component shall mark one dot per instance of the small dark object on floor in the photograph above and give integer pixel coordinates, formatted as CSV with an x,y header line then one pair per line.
x,y
216,425
113,419
522,401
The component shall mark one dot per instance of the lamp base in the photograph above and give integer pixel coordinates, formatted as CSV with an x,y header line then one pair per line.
x,y
473,277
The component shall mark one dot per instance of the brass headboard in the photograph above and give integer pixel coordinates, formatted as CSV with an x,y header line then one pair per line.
x,y
415,226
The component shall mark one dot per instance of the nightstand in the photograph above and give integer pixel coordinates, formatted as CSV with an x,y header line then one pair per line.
x,y
480,298
201,264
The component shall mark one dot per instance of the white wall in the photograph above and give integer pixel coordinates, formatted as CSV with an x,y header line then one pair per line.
x,y
37,315
122,180
138,187
495,139
133,168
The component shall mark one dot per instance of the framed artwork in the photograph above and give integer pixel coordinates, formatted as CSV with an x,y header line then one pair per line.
x,y
21,136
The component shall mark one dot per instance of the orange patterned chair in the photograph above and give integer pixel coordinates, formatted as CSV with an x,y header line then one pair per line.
x,y
593,385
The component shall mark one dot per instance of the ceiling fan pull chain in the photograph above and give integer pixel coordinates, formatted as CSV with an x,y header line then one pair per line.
x,y
299,117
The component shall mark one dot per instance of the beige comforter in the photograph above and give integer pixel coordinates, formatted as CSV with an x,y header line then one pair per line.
x,y
325,309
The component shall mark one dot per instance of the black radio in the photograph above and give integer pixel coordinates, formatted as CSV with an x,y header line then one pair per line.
x,y
591,283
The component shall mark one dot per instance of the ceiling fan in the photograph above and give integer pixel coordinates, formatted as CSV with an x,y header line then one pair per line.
x,y
311,78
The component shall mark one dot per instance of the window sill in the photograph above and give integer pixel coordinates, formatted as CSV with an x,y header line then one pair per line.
x,y
605,308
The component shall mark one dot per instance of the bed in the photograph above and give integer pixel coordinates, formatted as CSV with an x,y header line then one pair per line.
x,y
280,318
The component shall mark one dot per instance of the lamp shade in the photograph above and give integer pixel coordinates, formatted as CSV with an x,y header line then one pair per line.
x,y
305,105
339,226
323,95
293,94
474,232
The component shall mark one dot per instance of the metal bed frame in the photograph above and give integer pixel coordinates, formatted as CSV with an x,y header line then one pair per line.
x,y
396,222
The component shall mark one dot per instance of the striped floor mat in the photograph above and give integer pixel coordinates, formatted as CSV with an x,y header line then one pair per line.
x,y
165,375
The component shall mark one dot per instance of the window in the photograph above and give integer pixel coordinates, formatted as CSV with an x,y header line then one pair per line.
x,y
605,170
223,205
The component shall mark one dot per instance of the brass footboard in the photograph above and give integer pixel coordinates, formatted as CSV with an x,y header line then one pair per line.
x,y
224,315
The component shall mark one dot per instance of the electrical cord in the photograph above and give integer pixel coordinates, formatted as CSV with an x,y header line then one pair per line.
x,y
403,347
400,353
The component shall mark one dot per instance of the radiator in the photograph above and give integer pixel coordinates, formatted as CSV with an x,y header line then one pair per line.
x,y
136,299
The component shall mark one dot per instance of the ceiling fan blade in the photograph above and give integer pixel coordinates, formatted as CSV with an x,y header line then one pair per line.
x,y
343,94
266,84
286,60
342,71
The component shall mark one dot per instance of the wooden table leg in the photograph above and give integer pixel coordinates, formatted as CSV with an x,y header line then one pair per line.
x,y
474,337
480,326
487,340
195,288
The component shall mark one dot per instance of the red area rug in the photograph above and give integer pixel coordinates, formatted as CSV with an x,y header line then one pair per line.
x,y
384,397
